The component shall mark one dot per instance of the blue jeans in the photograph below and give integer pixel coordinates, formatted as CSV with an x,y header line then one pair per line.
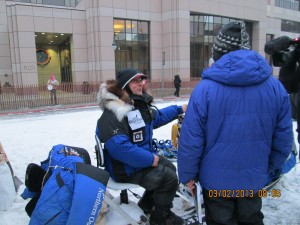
x,y
53,96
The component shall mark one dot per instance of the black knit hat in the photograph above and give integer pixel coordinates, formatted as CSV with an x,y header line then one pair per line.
x,y
124,76
231,37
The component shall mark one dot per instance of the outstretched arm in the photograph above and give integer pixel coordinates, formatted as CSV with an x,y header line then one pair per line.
x,y
168,114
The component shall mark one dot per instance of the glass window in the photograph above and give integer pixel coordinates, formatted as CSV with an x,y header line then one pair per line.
x,y
129,53
217,19
143,27
133,48
54,2
288,4
142,37
210,19
203,33
134,27
201,28
119,26
232,20
195,28
129,37
290,26
192,18
135,57
201,18
211,39
70,3
192,28
225,20
27,1
216,29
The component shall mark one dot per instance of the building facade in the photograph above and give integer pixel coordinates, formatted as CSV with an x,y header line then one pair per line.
x,y
90,40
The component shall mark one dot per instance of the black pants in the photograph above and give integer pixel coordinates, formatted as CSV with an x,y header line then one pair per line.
x,y
162,180
294,102
176,93
233,211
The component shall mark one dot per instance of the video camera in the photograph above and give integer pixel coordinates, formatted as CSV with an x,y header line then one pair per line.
x,y
284,50
285,53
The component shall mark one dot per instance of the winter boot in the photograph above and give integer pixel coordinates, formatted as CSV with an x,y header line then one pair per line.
x,y
165,217
146,203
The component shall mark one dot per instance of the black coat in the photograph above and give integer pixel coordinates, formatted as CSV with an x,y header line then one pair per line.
x,y
177,81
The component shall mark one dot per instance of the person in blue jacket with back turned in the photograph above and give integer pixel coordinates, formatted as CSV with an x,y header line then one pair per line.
x,y
237,129
126,129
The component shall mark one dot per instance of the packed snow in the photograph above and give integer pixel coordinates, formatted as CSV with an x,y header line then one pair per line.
x,y
28,138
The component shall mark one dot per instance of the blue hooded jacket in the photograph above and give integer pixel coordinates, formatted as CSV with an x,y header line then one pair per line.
x,y
237,127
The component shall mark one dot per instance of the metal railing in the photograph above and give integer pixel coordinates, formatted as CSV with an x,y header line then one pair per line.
x,y
32,96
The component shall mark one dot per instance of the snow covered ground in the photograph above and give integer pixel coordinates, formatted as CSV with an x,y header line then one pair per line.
x,y
29,138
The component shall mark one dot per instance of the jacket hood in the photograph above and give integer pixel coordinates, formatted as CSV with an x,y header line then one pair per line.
x,y
239,68
111,97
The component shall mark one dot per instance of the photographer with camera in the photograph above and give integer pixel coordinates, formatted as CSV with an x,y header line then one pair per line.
x,y
285,53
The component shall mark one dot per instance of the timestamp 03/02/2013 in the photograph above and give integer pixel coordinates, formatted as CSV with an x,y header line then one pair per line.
x,y
275,193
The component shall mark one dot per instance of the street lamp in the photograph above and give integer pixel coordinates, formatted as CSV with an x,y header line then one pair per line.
x,y
116,46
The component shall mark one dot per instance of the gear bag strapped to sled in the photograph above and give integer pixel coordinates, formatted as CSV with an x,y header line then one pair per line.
x,y
67,182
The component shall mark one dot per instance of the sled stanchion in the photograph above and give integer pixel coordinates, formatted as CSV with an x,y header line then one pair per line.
x,y
198,203
194,215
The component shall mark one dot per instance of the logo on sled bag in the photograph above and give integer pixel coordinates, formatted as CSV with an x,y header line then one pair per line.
x,y
69,151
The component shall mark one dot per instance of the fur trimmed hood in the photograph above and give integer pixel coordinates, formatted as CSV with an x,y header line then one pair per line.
x,y
111,97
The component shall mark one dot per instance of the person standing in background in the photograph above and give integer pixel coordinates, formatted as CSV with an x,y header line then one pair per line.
x,y
52,87
237,130
177,84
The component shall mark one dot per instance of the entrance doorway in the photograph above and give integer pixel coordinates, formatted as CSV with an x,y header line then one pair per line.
x,y
53,56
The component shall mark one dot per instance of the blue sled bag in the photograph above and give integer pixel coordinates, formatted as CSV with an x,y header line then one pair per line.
x,y
74,191
89,192
289,164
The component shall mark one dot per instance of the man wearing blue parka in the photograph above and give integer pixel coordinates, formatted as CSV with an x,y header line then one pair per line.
x,y
237,130
126,129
